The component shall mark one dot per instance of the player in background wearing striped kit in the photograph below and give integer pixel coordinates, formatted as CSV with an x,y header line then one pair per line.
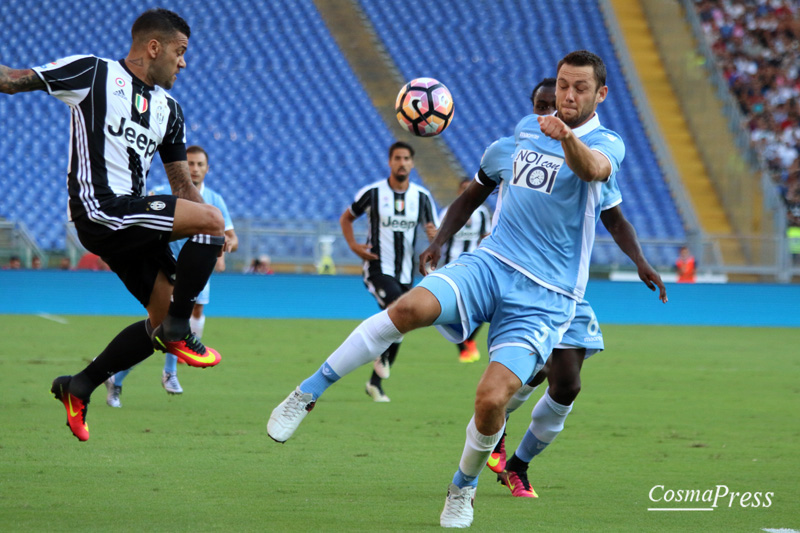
x,y
396,210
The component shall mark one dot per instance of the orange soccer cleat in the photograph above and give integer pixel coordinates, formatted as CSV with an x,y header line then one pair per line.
x,y
76,407
189,349
497,461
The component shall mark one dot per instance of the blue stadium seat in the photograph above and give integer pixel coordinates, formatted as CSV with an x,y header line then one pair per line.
x,y
280,119
491,74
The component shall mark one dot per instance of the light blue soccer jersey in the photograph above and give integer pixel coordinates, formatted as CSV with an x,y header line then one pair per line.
x,y
502,150
546,222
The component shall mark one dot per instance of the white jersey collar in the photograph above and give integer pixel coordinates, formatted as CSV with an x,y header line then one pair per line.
x,y
588,126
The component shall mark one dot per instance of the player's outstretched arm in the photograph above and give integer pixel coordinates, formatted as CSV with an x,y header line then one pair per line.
x,y
19,80
180,181
589,165
457,215
625,236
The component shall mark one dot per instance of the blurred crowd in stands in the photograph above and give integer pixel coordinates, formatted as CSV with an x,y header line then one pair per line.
x,y
87,261
757,44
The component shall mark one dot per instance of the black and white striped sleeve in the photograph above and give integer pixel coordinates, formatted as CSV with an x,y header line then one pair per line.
x,y
364,200
69,79
173,147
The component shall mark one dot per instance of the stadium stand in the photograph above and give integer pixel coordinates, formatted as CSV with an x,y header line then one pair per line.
x,y
290,131
756,48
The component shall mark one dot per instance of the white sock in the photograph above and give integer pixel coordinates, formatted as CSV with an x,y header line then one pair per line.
x,y
197,325
477,449
367,342
520,397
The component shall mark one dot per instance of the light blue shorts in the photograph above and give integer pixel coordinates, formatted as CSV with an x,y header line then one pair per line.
x,y
526,319
584,331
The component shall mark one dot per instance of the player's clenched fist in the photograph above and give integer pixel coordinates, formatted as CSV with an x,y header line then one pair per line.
x,y
554,128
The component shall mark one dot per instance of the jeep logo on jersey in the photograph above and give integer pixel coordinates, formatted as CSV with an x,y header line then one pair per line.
x,y
136,136
536,171
398,223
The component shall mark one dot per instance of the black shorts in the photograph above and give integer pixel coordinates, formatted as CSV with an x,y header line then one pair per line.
x,y
132,235
385,289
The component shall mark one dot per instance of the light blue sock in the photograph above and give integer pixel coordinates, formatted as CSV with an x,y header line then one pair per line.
x,y
530,447
170,364
320,381
119,376
462,480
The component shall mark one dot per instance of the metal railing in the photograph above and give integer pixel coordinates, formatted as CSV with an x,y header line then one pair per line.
x,y
16,240
300,244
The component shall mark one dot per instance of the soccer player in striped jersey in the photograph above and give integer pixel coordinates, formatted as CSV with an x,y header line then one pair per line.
x,y
121,114
397,210
198,167
466,240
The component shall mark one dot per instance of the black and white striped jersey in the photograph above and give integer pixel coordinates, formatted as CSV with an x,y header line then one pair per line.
x,y
117,124
469,236
395,220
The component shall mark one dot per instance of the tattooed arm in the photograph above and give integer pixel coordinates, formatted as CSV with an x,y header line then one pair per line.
x,y
181,182
19,81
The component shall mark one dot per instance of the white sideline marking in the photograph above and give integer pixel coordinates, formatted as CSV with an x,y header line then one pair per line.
x,y
54,318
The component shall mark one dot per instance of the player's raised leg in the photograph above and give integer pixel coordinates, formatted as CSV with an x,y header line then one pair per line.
x,y
205,227
417,308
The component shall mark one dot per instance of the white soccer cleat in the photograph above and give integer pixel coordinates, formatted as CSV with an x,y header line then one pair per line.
x,y
170,383
381,367
458,507
286,418
112,398
376,393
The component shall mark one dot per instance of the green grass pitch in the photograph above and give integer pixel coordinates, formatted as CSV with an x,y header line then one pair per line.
x,y
682,407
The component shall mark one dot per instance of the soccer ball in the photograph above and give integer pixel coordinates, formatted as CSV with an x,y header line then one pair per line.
x,y
424,107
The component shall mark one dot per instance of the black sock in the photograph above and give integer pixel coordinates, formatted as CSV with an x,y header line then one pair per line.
x,y
462,346
499,443
391,353
516,464
131,346
195,265
375,380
